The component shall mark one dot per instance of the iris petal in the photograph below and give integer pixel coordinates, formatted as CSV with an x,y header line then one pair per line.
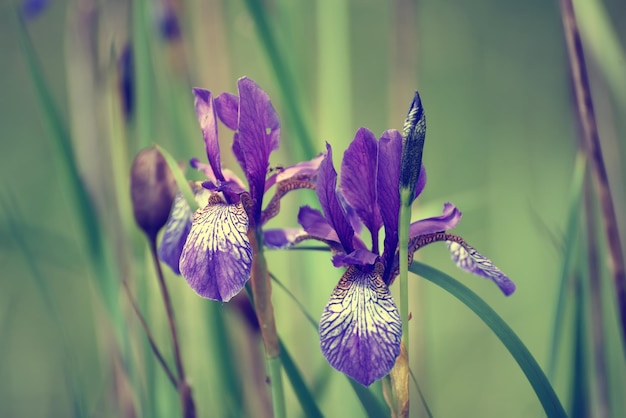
x,y
205,111
327,196
258,135
360,328
467,258
448,220
178,226
283,237
358,179
217,256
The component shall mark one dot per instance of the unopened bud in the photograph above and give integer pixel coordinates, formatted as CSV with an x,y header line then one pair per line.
x,y
152,190
413,137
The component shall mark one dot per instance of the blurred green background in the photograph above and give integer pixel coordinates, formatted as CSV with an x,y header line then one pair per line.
x,y
501,145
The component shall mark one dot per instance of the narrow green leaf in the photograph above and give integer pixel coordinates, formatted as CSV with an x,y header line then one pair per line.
x,y
569,241
292,106
538,380
181,181
307,400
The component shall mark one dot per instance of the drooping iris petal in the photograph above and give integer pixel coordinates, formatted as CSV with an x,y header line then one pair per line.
x,y
227,108
208,123
315,225
327,196
178,226
283,237
467,258
258,135
358,179
358,257
448,220
304,168
360,328
217,255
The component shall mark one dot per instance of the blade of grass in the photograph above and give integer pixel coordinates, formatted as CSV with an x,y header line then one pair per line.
x,y
306,399
586,115
569,241
538,380
143,76
70,372
293,107
181,181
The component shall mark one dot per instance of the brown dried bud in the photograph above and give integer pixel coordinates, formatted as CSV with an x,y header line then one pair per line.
x,y
152,190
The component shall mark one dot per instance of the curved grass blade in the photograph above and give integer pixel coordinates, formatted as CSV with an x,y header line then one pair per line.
x,y
181,181
538,380
569,241
307,401
284,78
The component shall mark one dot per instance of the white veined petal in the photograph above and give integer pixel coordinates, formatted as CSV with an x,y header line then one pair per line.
x,y
360,329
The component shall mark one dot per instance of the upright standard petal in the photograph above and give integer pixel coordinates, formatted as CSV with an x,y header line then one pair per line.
x,y
258,136
217,255
205,111
227,108
360,329
388,179
467,258
358,180
327,196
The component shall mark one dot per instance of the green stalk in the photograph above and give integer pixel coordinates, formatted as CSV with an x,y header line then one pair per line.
x,y
262,295
405,223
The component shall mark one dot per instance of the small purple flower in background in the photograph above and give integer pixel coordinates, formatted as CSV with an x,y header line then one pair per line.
x,y
212,249
360,328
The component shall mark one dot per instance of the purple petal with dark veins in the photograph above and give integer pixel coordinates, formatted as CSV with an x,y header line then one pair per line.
x,y
217,256
304,168
282,238
327,196
467,258
177,228
208,123
358,179
360,256
360,328
258,136
316,225
448,220
227,108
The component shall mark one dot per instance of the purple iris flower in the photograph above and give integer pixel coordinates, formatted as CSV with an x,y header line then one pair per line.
x,y
360,329
211,248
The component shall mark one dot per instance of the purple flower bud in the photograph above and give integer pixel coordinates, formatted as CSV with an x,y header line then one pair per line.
x,y
152,191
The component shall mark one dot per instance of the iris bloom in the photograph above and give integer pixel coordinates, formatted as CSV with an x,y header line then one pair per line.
x,y
211,249
360,329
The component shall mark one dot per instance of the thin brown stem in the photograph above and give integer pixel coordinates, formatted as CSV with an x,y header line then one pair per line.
x,y
187,403
594,152
151,340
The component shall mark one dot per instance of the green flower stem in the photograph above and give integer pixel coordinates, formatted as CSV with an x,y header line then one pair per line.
x,y
405,223
186,399
262,295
